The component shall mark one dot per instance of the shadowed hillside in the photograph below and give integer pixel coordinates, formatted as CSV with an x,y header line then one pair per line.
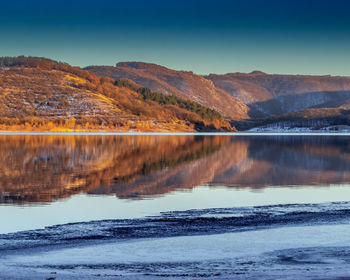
x,y
281,94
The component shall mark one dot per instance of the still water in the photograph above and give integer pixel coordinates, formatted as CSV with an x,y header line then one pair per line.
x,y
174,207
56,179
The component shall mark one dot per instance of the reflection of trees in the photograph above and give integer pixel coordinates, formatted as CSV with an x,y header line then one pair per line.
x,y
47,168
186,174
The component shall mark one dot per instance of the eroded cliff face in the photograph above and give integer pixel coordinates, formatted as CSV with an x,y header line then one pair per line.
x,y
40,169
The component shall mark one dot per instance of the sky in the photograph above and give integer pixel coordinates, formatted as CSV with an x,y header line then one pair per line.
x,y
203,36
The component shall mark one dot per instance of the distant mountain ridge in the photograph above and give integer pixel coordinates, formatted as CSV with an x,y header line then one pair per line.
x,y
246,96
277,94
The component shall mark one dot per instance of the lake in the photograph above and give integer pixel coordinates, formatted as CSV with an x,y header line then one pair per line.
x,y
175,206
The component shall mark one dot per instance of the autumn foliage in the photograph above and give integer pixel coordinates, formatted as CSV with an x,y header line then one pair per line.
x,y
44,95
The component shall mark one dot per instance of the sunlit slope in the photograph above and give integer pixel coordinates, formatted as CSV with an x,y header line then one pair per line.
x,y
179,83
249,100
41,94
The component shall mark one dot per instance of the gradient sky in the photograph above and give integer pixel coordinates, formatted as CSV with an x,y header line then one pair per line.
x,y
285,36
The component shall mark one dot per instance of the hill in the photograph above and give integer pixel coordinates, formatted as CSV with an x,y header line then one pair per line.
x,y
268,95
252,99
179,83
42,94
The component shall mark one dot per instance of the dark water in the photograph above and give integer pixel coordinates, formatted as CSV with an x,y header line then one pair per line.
x,y
175,206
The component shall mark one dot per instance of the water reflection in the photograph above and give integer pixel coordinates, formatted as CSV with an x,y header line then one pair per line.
x,y
46,168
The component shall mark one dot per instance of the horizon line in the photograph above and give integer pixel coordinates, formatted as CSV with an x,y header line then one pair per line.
x,y
254,71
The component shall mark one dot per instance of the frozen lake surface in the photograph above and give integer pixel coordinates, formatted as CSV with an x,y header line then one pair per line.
x,y
282,241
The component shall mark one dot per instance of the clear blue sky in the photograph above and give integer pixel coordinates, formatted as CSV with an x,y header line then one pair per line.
x,y
285,36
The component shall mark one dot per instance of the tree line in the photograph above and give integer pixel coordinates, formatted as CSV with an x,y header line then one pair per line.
x,y
147,94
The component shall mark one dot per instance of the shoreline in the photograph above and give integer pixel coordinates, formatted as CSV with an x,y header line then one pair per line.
x,y
185,257
243,133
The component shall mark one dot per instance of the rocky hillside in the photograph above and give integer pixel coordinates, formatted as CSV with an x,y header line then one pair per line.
x,y
179,83
41,94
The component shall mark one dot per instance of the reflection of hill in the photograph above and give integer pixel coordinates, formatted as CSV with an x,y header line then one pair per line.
x,y
47,168
281,161
254,162
185,175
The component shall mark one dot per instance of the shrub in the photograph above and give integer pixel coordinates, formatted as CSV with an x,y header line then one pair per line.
x,y
126,84
205,112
